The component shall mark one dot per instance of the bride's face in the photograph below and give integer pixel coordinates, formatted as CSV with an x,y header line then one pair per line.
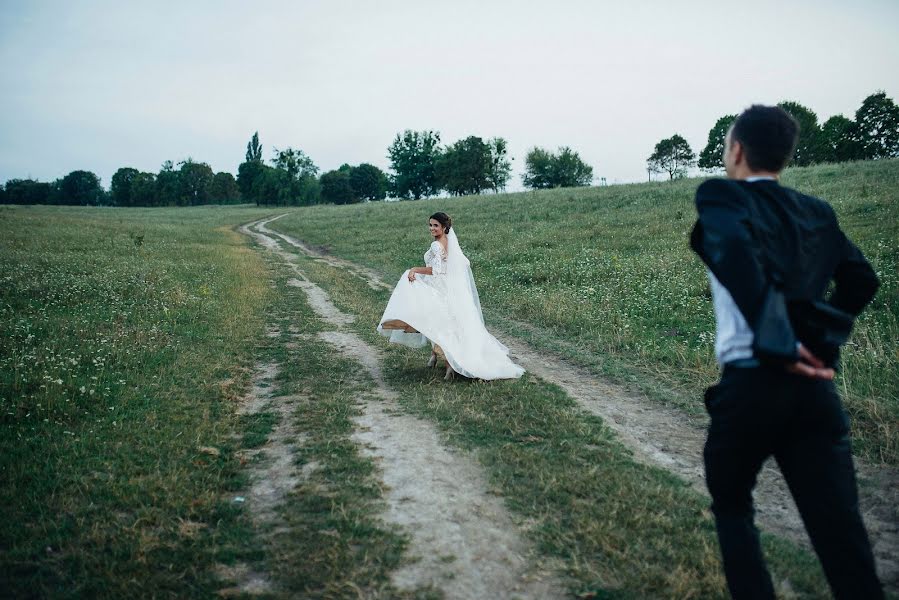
x,y
435,228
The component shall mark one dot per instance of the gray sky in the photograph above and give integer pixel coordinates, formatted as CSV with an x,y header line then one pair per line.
x,y
102,85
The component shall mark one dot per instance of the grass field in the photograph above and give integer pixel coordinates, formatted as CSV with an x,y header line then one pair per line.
x,y
129,336
608,270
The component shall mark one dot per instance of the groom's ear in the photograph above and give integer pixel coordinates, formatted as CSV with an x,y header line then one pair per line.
x,y
737,153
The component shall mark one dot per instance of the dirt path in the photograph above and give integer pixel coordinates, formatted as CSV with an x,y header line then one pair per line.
x,y
463,541
271,478
669,439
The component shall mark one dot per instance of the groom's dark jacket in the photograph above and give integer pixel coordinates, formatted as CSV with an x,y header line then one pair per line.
x,y
777,251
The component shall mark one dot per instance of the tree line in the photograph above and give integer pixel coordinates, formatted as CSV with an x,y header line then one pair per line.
x,y
873,134
192,183
421,167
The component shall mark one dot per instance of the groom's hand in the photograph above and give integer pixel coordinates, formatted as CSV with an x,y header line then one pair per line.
x,y
810,366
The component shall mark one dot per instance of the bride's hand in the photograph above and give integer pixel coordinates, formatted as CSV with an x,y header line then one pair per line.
x,y
411,275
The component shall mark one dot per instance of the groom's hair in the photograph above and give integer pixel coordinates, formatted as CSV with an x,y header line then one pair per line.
x,y
768,135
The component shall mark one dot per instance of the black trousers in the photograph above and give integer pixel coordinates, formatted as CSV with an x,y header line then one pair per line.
x,y
762,411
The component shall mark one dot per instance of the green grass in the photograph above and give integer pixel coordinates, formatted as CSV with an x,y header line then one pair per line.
x,y
127,336
619,528
608,271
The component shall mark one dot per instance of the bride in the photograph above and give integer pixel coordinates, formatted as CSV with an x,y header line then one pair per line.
x,y
439,303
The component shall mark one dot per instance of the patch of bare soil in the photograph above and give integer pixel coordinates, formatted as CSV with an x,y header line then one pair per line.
x,y
669,439
462,539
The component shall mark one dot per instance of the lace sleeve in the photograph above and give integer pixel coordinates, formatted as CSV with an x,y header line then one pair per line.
x,y
437,259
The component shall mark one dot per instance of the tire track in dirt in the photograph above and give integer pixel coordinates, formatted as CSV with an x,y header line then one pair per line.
x,y
669,439
462,539
271,478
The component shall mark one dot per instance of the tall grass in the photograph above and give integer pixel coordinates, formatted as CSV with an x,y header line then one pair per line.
x,y
609,271
126,336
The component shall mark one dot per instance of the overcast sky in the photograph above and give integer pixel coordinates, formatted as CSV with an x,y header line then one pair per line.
x,y
102,85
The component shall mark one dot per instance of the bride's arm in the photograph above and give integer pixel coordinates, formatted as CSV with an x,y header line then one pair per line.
x,y
420,271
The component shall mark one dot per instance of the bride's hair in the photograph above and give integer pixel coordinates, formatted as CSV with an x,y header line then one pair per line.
x,y
444,219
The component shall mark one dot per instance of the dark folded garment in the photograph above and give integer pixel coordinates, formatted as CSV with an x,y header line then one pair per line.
x,y
821,328
781,323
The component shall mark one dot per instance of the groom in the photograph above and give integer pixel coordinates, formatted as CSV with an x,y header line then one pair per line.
x,y
771,254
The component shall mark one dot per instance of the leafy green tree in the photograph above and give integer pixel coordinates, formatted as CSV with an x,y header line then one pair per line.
x,y
3,197
254,149
538,169
247,173
464,167
808,148
710,158
143,190
500,170
268,184
195,183
168,186
28,191
840,140
120,186
300,185
295,163
673,156
544,169
878,126
569,170
368,181
81,188
413,159
336,187
224,189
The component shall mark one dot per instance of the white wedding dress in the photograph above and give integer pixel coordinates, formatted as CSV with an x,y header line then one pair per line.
x,y
444,309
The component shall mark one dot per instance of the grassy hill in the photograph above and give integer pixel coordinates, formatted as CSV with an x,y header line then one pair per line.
x,y
606,275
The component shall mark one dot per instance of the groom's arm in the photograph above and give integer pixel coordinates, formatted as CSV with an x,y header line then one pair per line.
x,y
723,239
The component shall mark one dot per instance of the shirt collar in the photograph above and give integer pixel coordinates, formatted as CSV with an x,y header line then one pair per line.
x,y
763,178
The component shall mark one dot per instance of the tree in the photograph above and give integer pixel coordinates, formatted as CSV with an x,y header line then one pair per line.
x,y
300,185
413,158
464,167
336,187
81,188
295,162
254,149
247,173
569,170
538,169
711,157
168,187
840,140
143,190
878,126
194,183
808,148
673,156
543,169
368,181
120,186
223,189
500,170
27,191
